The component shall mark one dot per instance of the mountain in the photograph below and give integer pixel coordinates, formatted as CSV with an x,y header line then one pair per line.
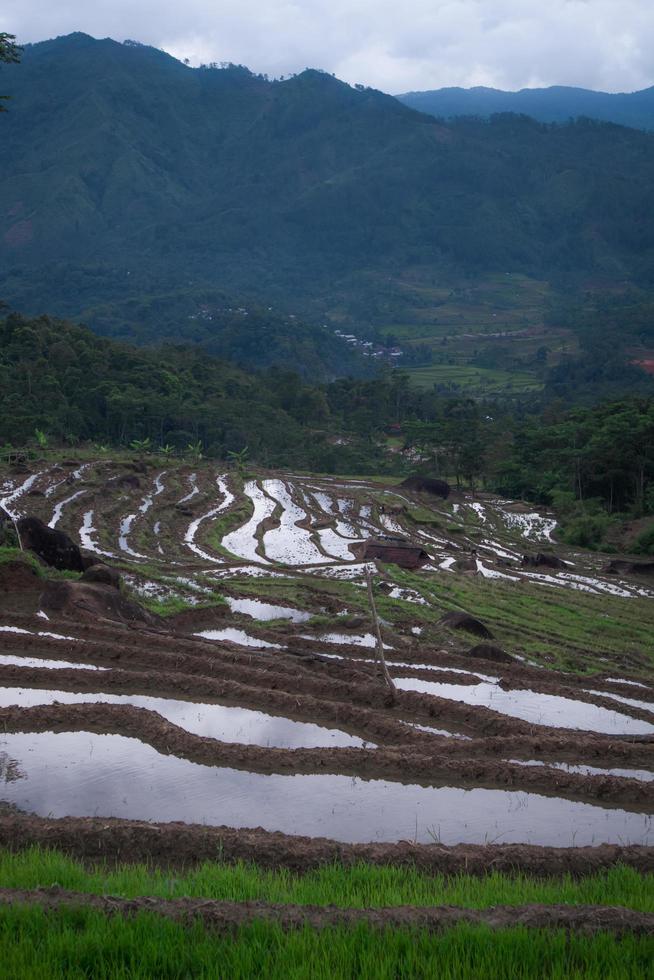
x,y
135,190
558,103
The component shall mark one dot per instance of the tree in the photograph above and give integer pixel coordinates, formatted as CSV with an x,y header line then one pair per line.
x,y
9,54
239,458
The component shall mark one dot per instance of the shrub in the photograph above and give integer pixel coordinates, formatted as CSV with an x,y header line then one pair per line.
x,y
644,543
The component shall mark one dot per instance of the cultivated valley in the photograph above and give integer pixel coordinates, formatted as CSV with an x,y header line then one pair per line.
x,y
327,552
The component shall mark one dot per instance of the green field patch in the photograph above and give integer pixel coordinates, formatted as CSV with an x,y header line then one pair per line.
x,y
79,943
481,380
560,628
356,886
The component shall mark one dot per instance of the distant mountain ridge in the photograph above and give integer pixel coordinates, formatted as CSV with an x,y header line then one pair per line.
x,y
558,103
128,179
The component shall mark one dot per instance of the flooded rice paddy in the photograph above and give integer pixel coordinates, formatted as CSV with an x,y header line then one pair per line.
x,y
8,660
299,537
240,637
84,774
228,724
264,611
541,709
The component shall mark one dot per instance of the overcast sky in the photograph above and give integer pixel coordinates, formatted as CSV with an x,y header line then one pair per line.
x,y
395,46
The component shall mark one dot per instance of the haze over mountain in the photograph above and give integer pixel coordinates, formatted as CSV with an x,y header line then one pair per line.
x,y
558,103
133,187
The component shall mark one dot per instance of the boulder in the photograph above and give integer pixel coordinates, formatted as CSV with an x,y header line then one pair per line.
x,y
92,602
89,558
488,651
463,621
427,484
465,565
102,575
543,559
54,547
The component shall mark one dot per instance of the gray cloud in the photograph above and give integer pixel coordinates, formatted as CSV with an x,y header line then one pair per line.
x,y
394,46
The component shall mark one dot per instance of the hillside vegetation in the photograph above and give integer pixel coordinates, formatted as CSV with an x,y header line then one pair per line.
x,y
60,384
557,103
132,185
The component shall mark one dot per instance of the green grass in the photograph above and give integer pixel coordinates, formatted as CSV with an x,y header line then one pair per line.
x,y
561,627
172,605
10,554
359,886
79,943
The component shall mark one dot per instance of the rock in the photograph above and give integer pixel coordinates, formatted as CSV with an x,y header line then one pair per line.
x,y
93,602
427,484
543,559
54,547
102,575
463,621
89,558
620,566
488,651
465,565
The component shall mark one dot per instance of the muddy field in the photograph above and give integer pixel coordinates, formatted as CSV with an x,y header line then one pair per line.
x,y
232,681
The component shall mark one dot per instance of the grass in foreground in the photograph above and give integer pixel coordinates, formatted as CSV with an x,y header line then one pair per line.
x,y
360,886
81,943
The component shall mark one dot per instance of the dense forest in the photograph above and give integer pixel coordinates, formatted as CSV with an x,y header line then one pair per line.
x,y
72,386
128,177
60,383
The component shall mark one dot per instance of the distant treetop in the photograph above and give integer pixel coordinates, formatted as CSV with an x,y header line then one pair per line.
x,y
9,54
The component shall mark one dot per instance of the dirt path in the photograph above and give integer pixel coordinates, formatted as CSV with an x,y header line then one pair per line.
x,y
179,845
227,916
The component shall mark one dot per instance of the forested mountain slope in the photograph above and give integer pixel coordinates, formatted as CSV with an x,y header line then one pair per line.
x,y
126,175
557,103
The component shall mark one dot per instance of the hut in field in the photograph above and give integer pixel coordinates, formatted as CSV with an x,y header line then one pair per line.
x,y
396,551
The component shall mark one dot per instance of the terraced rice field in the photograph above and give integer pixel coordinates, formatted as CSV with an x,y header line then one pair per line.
x,y
254,700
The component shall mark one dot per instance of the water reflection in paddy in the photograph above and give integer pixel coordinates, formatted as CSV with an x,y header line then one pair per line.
x,y
238,636
9,660
541,709
266,610
229,724
84,774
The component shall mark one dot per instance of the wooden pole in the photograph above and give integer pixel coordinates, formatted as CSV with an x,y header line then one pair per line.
x,y
379,643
